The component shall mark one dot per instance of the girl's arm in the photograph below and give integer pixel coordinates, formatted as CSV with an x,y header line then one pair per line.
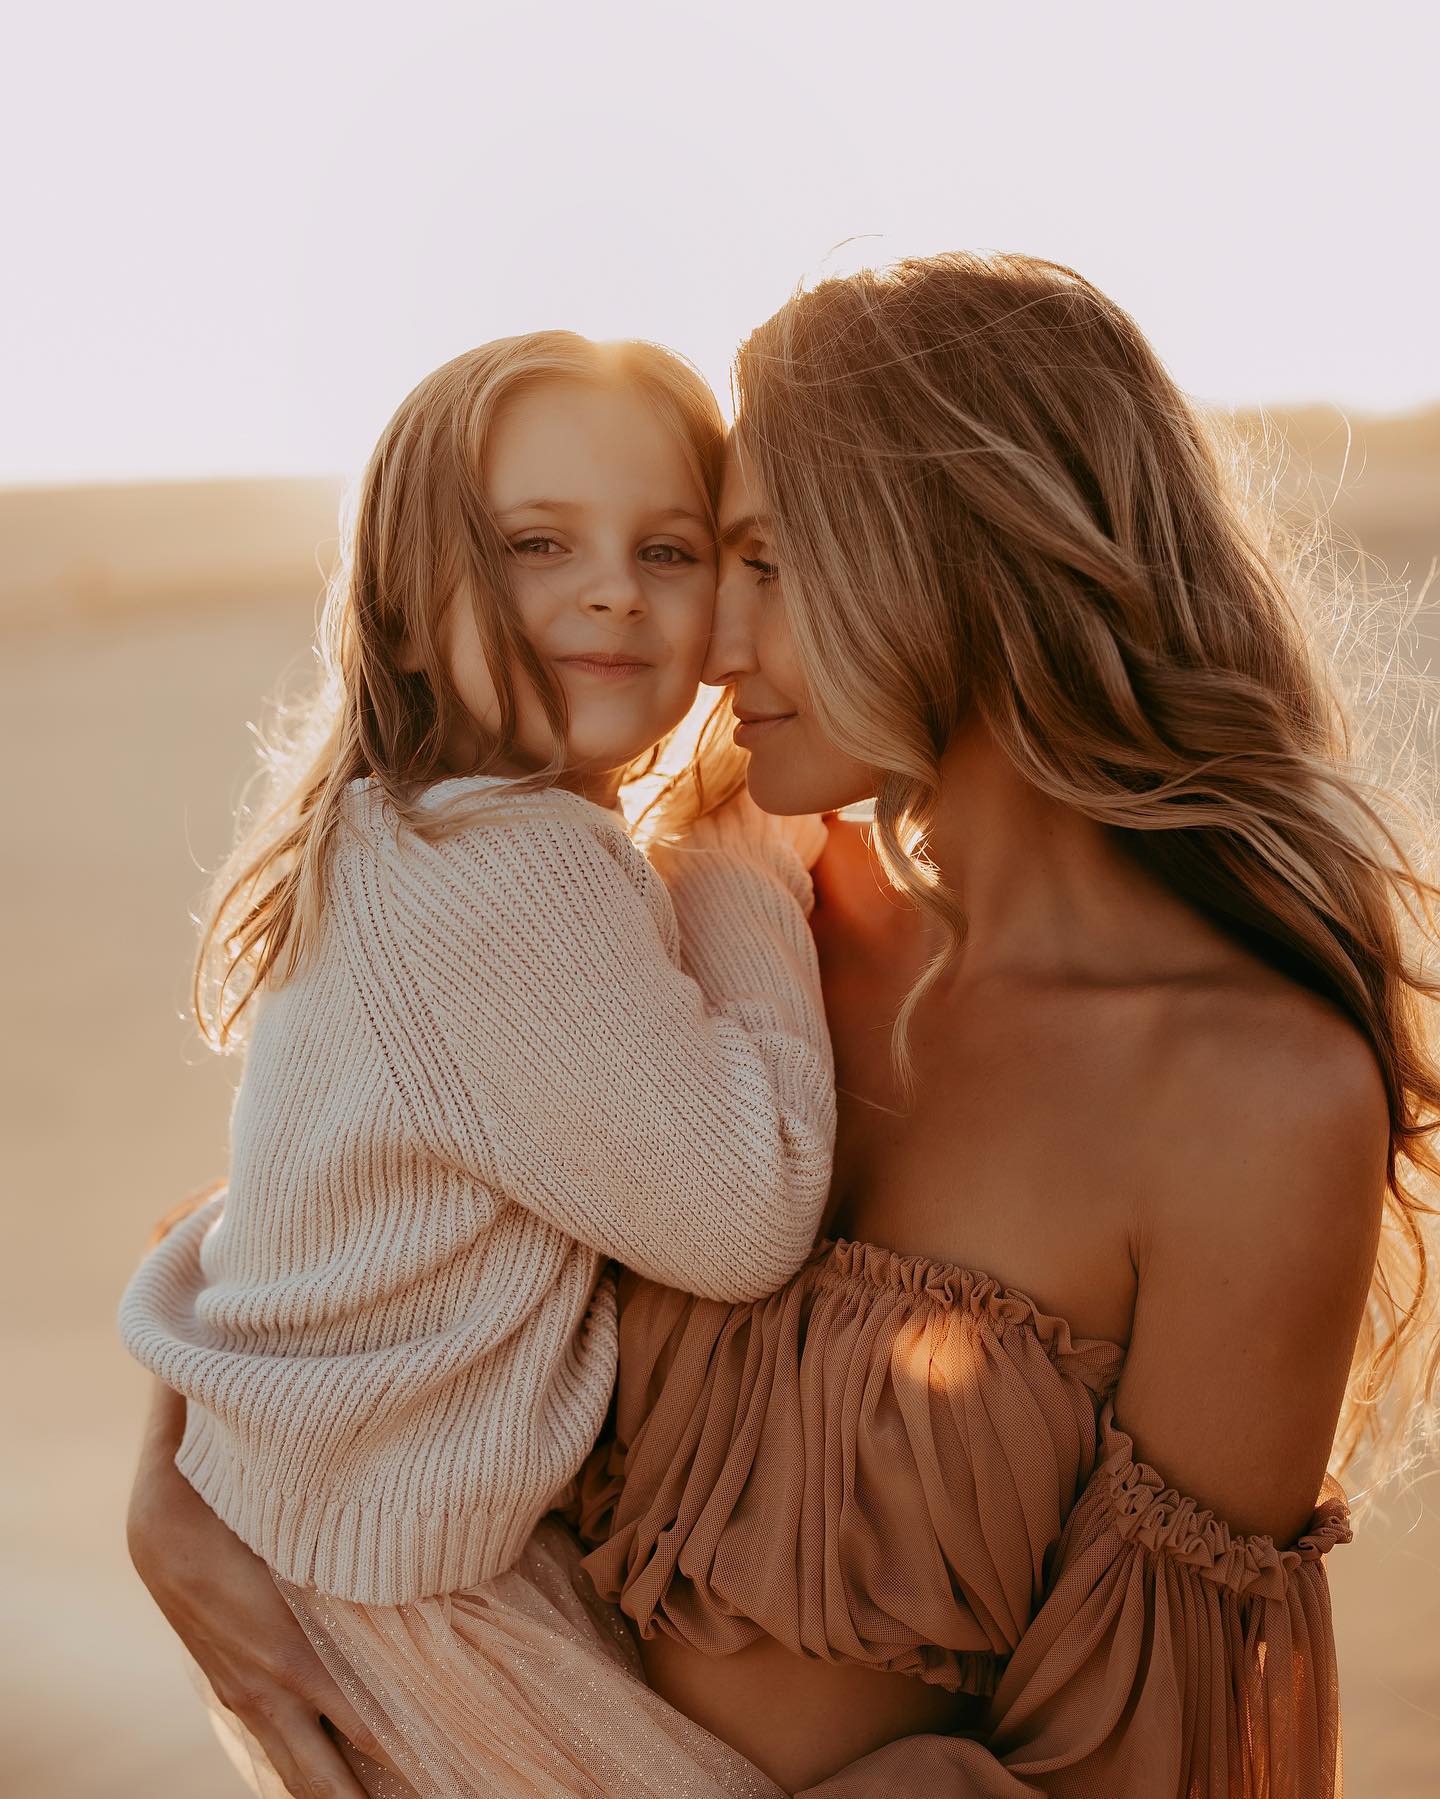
x,y
526,985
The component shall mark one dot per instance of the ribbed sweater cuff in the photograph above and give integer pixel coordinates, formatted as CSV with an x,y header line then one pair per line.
x,y
358,1550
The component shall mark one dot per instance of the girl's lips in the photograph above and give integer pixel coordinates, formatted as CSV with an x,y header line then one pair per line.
x,y
605,668
753,730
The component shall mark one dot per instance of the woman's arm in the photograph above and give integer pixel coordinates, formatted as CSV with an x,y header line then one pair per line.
x,y
1254,1258
223,1604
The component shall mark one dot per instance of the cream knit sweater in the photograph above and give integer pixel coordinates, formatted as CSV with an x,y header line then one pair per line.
x,y
494,1072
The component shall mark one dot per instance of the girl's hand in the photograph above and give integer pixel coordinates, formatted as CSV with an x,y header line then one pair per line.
x,y
221,1601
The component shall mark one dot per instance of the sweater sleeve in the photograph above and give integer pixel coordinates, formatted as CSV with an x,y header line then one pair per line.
x,y
524,979
740,886
1170,1659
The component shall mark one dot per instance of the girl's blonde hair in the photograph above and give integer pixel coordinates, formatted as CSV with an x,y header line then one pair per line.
x,y
988,499
421,538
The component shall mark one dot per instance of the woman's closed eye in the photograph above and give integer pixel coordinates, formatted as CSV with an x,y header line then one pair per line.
x,y
765,572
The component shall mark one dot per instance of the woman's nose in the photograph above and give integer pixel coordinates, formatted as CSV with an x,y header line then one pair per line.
x,y
731,651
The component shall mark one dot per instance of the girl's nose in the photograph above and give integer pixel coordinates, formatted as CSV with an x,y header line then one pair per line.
x,y
614,594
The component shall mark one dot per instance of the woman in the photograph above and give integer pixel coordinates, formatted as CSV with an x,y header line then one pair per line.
x,y
1108,1201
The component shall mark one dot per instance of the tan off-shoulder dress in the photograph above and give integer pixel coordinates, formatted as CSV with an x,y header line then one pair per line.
x,y
905,1466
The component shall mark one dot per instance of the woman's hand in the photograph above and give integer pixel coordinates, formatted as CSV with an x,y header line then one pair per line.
x,y
221,1601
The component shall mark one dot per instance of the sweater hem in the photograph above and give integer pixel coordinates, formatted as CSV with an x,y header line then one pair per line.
x,y
358,1550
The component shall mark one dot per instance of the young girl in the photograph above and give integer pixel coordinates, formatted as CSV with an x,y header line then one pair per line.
x,y
477,1069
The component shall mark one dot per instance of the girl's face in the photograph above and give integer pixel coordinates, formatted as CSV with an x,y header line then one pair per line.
x,y
614,575
794,767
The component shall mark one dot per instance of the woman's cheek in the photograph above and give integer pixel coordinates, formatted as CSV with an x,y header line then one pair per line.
x,y
775,652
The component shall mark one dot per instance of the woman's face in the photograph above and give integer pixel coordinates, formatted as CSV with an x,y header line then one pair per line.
x,y
794,767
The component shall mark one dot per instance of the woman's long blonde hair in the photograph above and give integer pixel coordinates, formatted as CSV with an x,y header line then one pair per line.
x,y
421,538
989,499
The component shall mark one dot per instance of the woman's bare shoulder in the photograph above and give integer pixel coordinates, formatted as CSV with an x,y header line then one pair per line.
x,y
1268,1087
1255,1246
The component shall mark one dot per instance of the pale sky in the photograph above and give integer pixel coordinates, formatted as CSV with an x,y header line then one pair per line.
x,y
234,235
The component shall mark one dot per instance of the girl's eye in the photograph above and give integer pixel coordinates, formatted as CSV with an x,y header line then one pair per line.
x,y
665,555
534,546
765,572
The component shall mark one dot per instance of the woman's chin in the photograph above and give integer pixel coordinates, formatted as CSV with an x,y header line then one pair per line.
x,y
791,792
794,769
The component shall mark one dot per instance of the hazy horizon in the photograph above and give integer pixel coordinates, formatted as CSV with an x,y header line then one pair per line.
x,y
83,550
1242,411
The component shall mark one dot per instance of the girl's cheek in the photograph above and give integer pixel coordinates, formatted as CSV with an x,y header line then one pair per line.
x,y
533,603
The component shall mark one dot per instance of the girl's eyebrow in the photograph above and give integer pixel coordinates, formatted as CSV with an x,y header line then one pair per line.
x,y
538,506
543,505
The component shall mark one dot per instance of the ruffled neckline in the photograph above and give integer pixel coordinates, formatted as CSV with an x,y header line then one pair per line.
x,y
952,1286
1144,1508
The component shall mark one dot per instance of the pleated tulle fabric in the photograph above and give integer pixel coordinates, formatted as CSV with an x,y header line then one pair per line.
x,y
526,1687
870,1466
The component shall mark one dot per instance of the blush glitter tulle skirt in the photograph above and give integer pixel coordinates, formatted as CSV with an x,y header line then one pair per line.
x,y
527,1685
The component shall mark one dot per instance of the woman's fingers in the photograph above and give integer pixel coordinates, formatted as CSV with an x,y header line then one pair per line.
x,y
323,1768
301,1671
296,1746
261,1737
354,1729
256,1739
324,1698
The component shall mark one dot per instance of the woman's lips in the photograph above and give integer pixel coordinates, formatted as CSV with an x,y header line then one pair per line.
x,y
751,731
605,667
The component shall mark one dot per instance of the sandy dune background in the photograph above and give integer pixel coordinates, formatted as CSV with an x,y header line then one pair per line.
x,y
139,630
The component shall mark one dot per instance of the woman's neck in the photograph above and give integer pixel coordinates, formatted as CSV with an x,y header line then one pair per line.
x,y
1045,890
